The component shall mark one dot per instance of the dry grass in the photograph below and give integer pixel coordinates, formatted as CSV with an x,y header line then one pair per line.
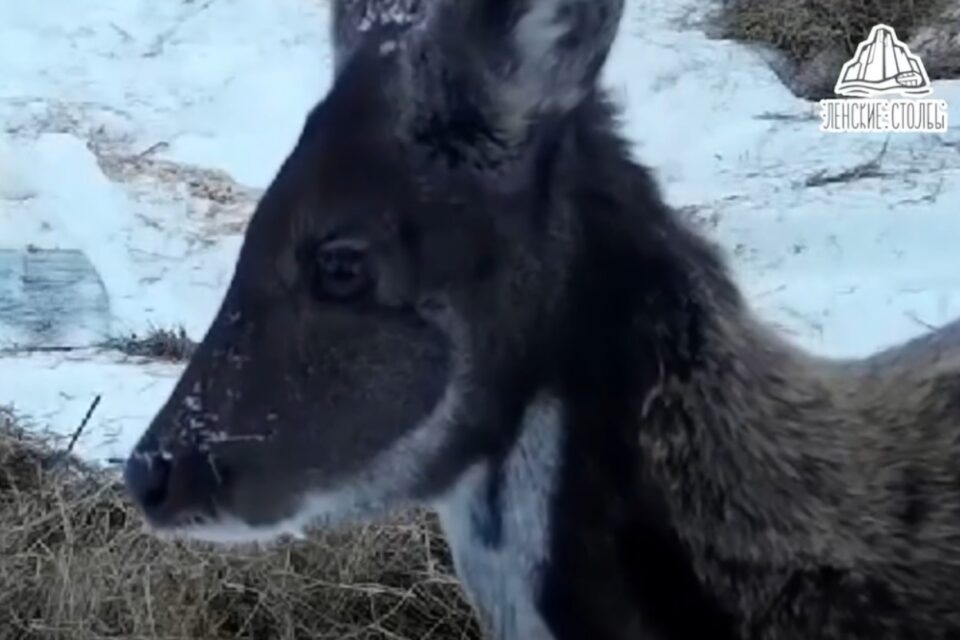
x,y
804,28
817,36
157,343
75,563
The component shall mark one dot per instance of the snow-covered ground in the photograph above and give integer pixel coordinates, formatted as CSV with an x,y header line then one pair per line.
x,y
136,136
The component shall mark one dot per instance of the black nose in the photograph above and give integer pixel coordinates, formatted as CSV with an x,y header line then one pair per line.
x,y
147,476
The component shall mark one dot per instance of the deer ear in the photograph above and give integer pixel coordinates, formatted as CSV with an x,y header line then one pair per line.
x,y
489,70
354,20
544,55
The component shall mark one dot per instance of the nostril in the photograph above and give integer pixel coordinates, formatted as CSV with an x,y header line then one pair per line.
x,y
147,476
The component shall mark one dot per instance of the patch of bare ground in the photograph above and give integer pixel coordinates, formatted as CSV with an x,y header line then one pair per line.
x,y
76,563
216,204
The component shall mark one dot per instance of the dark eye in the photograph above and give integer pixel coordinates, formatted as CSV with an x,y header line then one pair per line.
x,y
341,269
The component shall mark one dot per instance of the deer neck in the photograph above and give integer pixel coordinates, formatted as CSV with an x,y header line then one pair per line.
x,y
557,541
496,518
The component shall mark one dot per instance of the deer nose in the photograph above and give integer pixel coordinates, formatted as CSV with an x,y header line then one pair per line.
x,y
147,477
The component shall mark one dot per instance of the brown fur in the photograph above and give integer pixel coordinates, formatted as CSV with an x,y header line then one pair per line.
x,y
821,498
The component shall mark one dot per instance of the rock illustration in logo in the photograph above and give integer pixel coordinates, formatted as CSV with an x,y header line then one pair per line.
x,y
883,64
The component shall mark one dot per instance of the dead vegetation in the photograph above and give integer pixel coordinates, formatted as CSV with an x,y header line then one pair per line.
x,y
75,563
817,36
157,343
216,204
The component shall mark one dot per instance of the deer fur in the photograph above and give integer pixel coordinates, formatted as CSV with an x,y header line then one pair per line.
x,y
546,354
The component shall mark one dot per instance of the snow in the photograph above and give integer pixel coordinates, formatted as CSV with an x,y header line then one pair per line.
x,y
113,115
843,268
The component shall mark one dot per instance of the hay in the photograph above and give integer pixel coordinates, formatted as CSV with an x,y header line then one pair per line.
x,y
75,563
157,343
818,36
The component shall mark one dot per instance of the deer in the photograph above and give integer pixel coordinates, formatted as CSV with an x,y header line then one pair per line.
x,y
461,292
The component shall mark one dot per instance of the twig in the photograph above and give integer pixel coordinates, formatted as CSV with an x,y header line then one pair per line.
x,y
19,351
65,454
161,41
868,169
785,117
153,149
926,325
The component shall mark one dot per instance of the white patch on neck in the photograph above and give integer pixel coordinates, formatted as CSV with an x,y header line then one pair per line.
x,y
505,581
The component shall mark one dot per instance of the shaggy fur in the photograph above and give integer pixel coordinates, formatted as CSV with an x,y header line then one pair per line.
x,y
424,271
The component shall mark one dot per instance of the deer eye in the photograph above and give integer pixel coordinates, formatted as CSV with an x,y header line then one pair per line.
x,y
341,269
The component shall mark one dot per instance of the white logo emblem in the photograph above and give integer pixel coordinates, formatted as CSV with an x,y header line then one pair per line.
x,y
882,66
